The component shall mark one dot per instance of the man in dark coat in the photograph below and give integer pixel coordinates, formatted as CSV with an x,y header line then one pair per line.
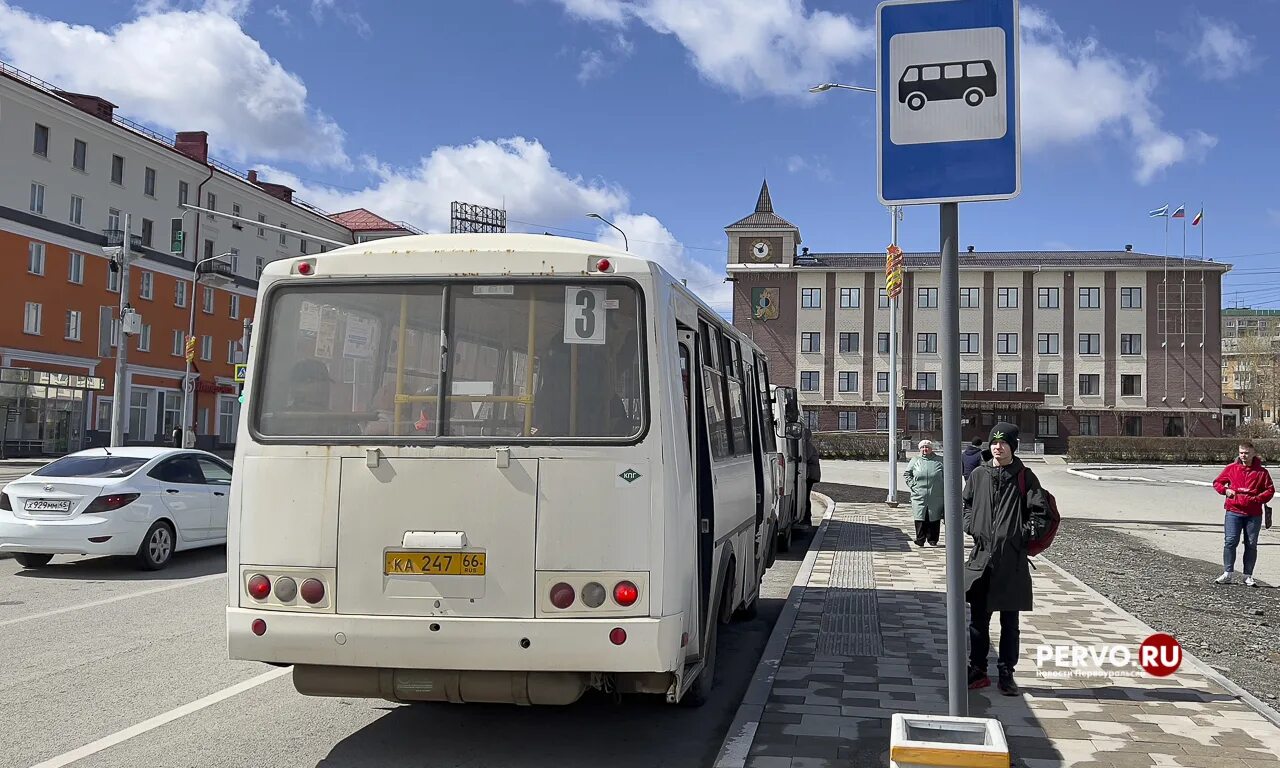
x,y
1000,517
972,456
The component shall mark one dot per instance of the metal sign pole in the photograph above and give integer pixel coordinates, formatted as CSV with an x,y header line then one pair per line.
x,y
120,390
957,677
892,500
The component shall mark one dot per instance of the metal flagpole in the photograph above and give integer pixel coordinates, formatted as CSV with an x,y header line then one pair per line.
x,y
1184,301
1164,304
1204,329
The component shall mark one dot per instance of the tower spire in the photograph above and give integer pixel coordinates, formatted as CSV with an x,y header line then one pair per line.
x,y
765,203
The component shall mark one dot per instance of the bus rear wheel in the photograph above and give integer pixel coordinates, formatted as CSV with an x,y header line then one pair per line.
x,y
916,102
974,96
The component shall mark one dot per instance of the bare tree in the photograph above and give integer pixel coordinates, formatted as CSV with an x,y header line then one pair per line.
x,y
1257,373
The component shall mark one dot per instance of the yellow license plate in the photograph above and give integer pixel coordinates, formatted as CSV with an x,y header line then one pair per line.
x,y
433,563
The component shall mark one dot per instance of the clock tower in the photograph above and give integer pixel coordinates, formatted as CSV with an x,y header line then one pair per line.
x,y
764,237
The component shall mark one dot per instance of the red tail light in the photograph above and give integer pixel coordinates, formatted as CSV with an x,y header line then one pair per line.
x,y
312,591
110,502
618,636
259,627
259,586
603,265
625,594
562,596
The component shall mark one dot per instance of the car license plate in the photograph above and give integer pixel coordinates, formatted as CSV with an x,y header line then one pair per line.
x,y
400,563
47,505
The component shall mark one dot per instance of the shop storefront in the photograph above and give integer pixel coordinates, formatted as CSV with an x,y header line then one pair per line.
x,y
43,413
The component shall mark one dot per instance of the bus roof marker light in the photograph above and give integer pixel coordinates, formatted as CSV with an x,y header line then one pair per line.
x,y
305,268
603,265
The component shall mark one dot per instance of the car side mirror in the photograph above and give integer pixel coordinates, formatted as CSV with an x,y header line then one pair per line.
x,y
795,430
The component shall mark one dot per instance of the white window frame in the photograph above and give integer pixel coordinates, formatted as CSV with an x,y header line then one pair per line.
x,y
74,325
32,315
35,258
149,182
144,339
36,204
147,285
179,343
180,293
75,268
118,182
206,300
83,167
75,212
231,351
206,348
235,306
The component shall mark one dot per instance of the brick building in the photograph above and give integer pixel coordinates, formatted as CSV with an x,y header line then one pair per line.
x,y
74,169
1061,343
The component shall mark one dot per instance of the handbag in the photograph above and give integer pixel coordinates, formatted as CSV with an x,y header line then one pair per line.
x,y
1266,516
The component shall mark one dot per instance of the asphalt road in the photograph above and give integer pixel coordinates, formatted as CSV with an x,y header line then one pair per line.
x,y
104,665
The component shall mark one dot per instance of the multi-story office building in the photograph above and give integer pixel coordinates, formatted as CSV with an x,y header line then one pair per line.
x,y
1251,361
73,170
1061,343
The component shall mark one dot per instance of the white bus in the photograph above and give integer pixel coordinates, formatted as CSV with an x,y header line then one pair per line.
x,y
590,499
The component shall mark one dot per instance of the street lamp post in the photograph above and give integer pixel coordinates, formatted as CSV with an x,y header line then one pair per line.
x,y
895,215
625,246
188,417
119,406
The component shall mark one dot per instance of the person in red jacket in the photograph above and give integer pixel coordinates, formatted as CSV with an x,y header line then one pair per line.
x,y
1247,486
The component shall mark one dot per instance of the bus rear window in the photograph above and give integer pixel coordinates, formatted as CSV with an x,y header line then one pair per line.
x,y
525,360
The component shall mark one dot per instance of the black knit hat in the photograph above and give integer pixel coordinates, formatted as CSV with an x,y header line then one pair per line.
x,y
976,442
1006,432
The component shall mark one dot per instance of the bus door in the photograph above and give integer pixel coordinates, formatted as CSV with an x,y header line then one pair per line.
x,y
704,507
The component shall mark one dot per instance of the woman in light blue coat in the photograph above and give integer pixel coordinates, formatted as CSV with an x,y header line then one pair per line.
x,y
924,478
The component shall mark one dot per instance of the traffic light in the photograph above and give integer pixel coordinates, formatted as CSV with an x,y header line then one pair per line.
x,y
178,242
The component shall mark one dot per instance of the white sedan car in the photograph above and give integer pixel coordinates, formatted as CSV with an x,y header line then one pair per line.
x,y
145,502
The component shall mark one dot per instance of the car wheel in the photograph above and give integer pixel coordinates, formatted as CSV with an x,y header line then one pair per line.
x,y
916,102
973,97
32,560
157,547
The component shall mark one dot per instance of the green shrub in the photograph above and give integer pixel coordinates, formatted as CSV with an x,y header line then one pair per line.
x,y
1162,450
852,446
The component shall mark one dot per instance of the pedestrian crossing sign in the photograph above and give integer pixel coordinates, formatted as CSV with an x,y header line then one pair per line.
x,y
241,369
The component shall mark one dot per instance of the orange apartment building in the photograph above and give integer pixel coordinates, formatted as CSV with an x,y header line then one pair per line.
x,y
73,170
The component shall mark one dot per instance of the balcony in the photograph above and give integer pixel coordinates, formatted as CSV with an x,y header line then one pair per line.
x,y
215,273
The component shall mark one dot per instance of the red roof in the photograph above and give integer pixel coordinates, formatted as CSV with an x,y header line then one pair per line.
x,y
364,220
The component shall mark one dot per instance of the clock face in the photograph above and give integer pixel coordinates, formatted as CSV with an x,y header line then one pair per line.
x,y
760,250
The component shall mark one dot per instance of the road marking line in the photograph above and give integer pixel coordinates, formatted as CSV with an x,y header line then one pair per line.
x,y
118,737
116,599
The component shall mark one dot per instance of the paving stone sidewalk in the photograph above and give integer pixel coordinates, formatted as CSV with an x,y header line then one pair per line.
x,y
870,640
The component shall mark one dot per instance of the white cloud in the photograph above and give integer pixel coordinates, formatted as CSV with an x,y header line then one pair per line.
x,y
280,14
517,174
775,47
1222,51
322,8
182,71
595,63
815,167
1076,90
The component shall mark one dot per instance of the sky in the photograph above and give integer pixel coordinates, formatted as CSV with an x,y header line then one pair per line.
x,y
664,116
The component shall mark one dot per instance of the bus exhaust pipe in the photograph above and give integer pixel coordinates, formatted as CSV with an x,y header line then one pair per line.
x,y
452,686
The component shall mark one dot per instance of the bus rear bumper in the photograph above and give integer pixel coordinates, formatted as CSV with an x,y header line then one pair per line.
x,y
461,644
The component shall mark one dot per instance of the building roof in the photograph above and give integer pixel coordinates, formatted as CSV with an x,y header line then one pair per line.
x,y
1008,259
763,217
364,220
1247,312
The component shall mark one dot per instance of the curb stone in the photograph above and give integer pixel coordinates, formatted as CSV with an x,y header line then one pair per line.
x,y
742,731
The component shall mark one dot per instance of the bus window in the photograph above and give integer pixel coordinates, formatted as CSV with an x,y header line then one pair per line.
x,y
364,361
737,398
976,69
911,75
953,71
717,422
933,73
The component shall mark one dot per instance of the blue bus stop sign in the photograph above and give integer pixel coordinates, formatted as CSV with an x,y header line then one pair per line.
x,y
948,129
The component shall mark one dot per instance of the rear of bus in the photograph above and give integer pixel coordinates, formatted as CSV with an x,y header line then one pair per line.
x,y
502,543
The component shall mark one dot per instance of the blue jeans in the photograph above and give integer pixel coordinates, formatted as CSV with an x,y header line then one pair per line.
x,y
1233,526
